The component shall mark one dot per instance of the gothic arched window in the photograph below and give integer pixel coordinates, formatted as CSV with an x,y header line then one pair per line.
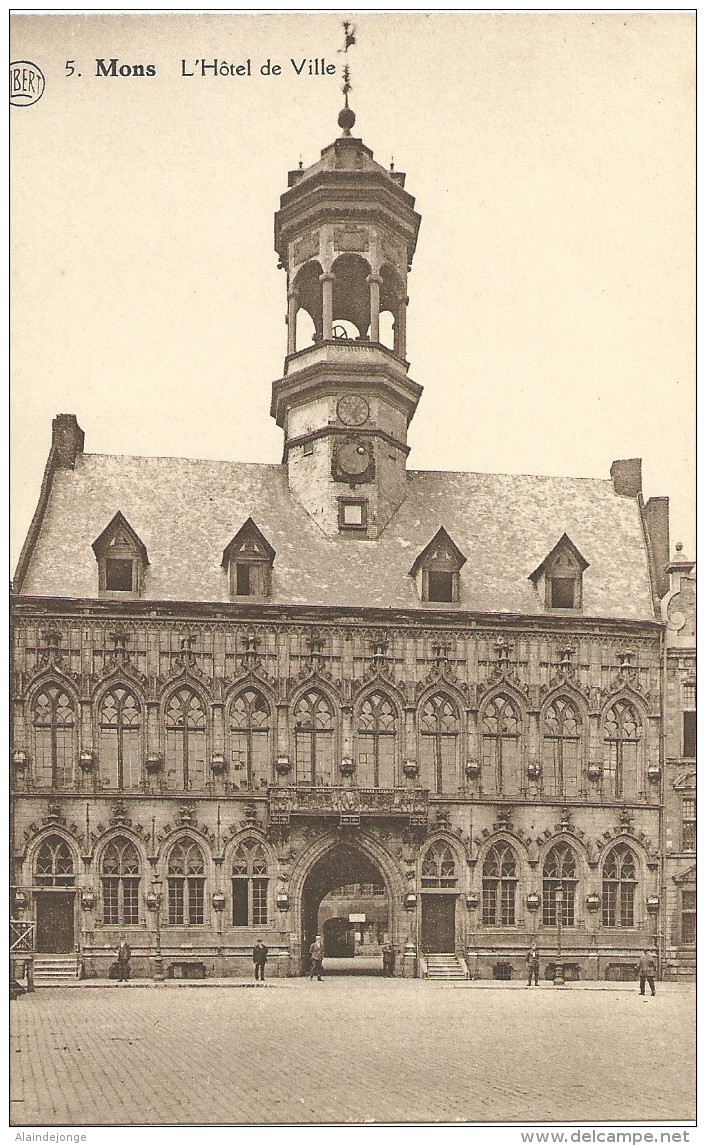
x,y
501,731
619,883
54,865
250,884
438,747
622,735
439,866
120,881
186,877
250,739
185,741
314,739
499,883
55,751
377,742
561,748
559,874
119,755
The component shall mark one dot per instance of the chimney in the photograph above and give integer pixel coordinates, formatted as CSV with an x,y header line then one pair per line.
x,y
657,525
67,439
627,477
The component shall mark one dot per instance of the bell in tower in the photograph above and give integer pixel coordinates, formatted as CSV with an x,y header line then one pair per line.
x,y
345,233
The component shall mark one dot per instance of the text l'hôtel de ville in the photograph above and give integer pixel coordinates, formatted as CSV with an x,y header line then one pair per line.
x,y
211,68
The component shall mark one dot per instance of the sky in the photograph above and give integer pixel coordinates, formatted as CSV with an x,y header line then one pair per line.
x,y
551,315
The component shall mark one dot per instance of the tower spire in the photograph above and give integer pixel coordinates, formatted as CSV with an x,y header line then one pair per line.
x,y
346,117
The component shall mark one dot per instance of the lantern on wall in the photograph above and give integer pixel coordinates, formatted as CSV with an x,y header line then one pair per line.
x,y
533,770
154,762
472,769
472,900
652,904
533,901
594,771
282,901
20,759
88,899
410,769
653,772
218,763
593,901
283,766
218,900
347,766
410,901
87,759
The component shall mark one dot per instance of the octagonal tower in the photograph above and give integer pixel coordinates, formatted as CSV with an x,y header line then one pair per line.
x,y
346,232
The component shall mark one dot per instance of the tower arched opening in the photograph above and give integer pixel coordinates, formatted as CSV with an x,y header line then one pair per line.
x,y
393,304
351,292
306,295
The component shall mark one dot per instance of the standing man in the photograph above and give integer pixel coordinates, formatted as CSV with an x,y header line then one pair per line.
x,y
532,960
388,960
316,954
259,958
648,970
123,954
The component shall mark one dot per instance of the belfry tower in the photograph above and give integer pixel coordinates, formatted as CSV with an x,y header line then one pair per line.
x,y
345,233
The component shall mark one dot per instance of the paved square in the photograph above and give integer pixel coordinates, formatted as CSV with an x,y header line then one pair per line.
x,y
349,1050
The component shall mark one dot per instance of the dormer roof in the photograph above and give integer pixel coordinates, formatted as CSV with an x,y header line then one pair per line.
x,y
119,532
442,547
248,541
563,545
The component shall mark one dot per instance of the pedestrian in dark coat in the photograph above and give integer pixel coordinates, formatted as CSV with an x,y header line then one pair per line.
x,y
316,954
648,970
532,961
388,960
123,954
259,958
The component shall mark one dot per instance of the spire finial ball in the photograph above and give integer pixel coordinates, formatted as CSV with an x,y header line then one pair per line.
x,y
346,120
679,546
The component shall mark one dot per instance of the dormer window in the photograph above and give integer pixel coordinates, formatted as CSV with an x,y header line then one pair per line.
x,y
248,559
437,568
559,578
122,558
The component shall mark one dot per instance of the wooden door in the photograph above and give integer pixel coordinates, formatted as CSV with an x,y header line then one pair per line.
x,y
438,924
55,922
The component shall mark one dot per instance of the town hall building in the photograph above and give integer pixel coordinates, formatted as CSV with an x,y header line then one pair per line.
x,y
240,687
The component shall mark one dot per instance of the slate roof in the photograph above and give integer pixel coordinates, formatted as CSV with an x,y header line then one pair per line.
x,y
186,512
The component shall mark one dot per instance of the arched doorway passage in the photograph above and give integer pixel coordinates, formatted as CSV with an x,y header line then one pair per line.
x,y
346,901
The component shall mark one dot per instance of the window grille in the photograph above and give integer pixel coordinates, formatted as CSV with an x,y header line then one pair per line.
x,y
185,884
55,749
559,873
377,742
250,885
120,879
619,883
501,735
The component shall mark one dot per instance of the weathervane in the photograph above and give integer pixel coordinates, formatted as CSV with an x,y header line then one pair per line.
x,y
346,117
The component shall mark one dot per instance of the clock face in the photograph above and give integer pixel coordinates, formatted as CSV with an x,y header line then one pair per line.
x,y
353,458
353,410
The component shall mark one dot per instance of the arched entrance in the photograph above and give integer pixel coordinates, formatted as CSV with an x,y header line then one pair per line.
x,y
346,899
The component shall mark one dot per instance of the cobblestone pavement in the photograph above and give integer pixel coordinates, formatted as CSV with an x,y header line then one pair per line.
x,y
350,1050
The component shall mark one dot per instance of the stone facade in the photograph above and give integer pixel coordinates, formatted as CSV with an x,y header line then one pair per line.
x,y
383,833
679,611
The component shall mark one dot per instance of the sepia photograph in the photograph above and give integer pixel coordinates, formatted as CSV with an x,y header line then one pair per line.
x,y
352,664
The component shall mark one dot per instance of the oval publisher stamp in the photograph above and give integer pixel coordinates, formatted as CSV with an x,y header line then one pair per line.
x,y
26,83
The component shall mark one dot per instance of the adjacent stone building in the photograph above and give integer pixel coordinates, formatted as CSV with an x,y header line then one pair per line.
x,y
679,612
240,687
